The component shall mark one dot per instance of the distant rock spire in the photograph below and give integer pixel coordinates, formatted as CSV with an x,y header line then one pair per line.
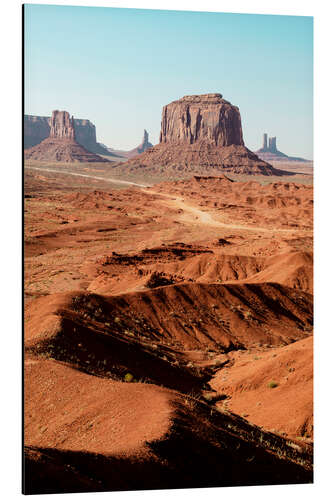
x,y
264,145
272,144
145,144
145,139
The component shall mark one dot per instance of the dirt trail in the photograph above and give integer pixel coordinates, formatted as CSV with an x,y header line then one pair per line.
x,y
197,216
114,181
192,214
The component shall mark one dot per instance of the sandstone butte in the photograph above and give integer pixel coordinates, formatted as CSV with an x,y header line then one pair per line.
x,y
61,144
202,131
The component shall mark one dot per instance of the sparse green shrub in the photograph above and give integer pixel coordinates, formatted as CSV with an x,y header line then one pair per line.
x,y
128,377
272,384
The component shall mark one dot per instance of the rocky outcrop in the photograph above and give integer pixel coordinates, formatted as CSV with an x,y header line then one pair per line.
x,y
145,144
37,128
199,134
62,126
197,118
61,145
85,134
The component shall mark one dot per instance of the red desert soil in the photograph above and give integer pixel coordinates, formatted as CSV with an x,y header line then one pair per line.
x,y
274,389
114,435
61,145
68,409
294,269
192,316
178,287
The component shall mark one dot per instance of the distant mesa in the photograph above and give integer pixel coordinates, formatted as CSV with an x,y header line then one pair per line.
x,y
269,151
61,144
37,128
201,133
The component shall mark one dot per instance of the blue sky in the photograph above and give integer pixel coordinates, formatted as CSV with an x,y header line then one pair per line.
x,y
119,67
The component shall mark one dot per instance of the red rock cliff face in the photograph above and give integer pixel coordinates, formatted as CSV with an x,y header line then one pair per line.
x,y
62,126
37,128
61,145
196,118
200,134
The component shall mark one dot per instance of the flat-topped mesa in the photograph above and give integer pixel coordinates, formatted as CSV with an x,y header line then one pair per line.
x,y
62,126
206,118
61,144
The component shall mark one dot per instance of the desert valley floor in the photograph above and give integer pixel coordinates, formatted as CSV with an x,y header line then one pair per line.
x,y
168,329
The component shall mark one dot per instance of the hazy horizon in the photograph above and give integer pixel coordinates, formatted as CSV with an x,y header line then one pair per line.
x,y
118,67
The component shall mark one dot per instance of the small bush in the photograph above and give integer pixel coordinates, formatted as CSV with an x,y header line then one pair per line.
x,y
272,384
128,377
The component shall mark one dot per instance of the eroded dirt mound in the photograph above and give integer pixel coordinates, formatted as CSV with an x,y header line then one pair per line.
x,y
273,388
192,282
103,420
119,436
84,331
192,315
272,195
210,268
279,204
62,150
293,269
174,263
178,160
94,199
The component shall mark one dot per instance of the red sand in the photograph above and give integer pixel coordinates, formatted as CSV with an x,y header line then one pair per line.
x,y
201,297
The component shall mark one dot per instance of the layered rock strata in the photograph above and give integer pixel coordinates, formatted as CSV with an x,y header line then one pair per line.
x,y
62,126
197,118
201,133
37,128
61,145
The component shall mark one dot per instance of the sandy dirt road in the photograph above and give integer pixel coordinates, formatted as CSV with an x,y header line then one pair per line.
x,y
190,213
197,216
113,181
